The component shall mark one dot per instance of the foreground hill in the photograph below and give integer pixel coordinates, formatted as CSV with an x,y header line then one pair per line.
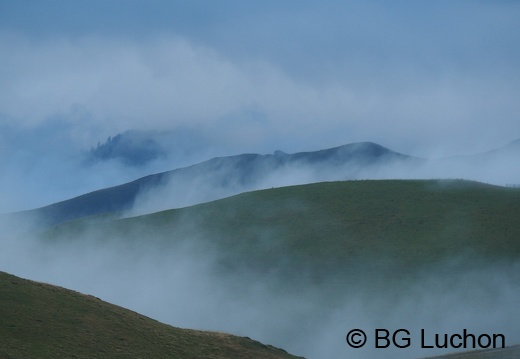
x,y
43,321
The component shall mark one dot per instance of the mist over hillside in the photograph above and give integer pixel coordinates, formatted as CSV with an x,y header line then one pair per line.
x,y
283,170
128,147
225,176
299,266
137,148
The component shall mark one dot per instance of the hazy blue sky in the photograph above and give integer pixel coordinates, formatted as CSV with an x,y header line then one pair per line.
x,y
429,78
425,77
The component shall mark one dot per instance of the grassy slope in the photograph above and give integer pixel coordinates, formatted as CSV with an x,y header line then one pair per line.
x,y
43,321
370,233
338,228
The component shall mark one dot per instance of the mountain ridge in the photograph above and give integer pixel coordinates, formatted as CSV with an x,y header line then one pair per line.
x,y
223,176
230,174
389,243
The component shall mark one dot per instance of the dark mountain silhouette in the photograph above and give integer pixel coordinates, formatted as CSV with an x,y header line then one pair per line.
x,y
229,175
224,176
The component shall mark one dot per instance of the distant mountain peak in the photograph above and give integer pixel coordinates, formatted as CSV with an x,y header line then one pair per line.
x,y
225,175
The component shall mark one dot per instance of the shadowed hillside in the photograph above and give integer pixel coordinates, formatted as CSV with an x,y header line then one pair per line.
x,y
43,321
225,176
221,177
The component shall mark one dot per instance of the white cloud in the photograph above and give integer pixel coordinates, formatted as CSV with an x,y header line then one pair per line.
x,y
169,82
404,79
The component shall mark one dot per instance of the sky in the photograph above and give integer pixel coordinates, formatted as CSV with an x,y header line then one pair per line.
x,y
424,78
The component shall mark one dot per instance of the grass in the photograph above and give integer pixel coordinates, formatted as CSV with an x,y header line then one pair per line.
x,y
387,228
337,236
44,321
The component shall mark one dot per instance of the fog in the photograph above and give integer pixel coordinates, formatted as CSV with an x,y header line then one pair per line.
x,y
439,81
179,281
223,177
426,79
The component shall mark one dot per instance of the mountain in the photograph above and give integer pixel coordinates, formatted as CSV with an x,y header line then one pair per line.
x,y
437,254
44,321
224,176
414,222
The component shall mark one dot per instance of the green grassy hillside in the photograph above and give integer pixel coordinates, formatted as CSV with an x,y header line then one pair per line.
x,y
336,229
225,175
383,241
43,321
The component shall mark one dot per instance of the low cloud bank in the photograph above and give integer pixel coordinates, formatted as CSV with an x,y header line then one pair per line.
x,y
179,281
220,178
